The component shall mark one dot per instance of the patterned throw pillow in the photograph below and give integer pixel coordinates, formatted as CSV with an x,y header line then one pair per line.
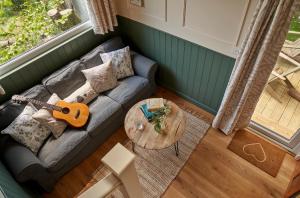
x,y
84,94
27,131
44,116
101,77
121,62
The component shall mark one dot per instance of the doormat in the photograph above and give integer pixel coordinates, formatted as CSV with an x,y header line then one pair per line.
x,y
257,151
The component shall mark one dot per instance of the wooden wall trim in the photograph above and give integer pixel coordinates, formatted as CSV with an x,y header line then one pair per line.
x,y
242,23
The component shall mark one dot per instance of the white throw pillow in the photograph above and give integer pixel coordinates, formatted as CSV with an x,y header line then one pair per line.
x,y
27,131
121,62
44,116
101,78
85,94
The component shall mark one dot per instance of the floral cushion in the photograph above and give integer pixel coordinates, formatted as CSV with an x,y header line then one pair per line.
x,y
44,116
121,62
84,94
102,77
27,131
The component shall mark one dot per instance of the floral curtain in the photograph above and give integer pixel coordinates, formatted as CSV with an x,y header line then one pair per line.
x,y
254,64
102,14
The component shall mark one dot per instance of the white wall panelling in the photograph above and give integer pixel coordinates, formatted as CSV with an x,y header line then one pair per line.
x,y
219,25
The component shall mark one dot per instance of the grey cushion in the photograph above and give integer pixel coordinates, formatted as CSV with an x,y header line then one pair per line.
x,y
66,80
102,113
129,91
57,152
93,58
9,110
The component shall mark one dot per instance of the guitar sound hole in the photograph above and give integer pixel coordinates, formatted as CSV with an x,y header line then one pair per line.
x,y
65,110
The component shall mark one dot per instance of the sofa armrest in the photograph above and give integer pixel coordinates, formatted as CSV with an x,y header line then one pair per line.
x,y
25,166
144,67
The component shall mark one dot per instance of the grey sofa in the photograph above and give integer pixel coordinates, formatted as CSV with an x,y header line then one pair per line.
x,y
57,156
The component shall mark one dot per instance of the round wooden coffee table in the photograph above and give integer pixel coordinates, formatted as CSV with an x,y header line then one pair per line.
x,y
148,138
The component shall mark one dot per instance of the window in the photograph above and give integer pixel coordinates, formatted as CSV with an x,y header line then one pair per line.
x,y
294,31
26,24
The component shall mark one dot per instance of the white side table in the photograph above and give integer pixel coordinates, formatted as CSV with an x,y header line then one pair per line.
x,y
121,162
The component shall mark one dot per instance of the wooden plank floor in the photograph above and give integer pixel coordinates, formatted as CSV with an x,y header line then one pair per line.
x,y
211,171
281,117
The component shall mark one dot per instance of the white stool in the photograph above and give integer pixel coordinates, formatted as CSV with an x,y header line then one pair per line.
x,y
121,162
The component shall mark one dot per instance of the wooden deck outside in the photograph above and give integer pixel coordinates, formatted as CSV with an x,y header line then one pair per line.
x,y
281,117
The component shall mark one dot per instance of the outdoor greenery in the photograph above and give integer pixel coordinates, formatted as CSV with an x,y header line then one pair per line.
x,y
25,23
159,117
294,27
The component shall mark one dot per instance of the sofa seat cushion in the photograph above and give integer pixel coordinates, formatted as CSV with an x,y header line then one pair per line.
x,y
65,81
57,152
103,110
129,91
93,58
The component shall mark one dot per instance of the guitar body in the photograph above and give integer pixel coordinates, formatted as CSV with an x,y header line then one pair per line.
x,y
76,114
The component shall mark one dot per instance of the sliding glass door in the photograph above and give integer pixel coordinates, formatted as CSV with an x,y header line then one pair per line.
x,y
277,113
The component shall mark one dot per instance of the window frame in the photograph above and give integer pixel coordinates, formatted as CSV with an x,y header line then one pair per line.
x,y
36,52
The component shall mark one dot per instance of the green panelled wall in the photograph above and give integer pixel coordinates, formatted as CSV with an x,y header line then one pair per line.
x,y
32,74
10,187
194,72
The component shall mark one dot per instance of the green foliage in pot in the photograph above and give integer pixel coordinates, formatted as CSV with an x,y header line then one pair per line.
x,y
159,117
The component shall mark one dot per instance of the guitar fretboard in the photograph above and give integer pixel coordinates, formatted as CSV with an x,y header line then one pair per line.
x,y
44,104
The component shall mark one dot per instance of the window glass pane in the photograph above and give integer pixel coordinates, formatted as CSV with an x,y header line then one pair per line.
x,y
24,24
294,31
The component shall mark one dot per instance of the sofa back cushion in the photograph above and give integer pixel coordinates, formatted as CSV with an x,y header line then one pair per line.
x,y
93,58
9,110
66,80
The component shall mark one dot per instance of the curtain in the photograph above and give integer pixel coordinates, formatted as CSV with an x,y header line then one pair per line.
x,y
102,14
254,64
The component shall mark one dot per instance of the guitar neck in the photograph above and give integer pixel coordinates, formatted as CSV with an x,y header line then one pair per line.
x,y
44,104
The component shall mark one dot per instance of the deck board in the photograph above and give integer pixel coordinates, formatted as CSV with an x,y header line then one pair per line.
x,y
282,117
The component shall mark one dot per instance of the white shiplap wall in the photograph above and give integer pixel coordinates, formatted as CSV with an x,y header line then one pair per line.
x,y
219,25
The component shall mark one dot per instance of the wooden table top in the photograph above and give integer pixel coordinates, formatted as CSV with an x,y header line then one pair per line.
x,y
148,138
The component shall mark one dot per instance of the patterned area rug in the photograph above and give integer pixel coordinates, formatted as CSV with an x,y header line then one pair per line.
x,y
158,168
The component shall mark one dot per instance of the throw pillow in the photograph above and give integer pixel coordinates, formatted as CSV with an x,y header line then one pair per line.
x,y
84,94
101,78
121,62
27,131
44,116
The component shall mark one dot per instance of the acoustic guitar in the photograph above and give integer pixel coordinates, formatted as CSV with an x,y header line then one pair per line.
x,y
75,114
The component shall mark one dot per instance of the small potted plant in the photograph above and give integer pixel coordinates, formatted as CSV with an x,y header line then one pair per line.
x,y
159,117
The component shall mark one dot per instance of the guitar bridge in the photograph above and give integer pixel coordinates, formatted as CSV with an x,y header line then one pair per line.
x,y
77,114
